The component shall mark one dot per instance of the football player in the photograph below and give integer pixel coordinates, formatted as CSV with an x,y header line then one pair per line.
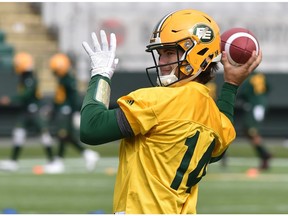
x,y
254,96
169,133
29,99
65,108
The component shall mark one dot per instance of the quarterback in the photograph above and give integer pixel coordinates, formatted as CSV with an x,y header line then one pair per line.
x,y
171,132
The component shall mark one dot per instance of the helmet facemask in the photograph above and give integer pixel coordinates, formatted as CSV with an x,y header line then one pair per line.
x,y
179,72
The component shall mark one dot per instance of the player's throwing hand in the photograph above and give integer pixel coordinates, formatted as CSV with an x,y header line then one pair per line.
x,y
237,74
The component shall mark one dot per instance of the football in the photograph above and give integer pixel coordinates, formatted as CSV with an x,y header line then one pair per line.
x,y
239,43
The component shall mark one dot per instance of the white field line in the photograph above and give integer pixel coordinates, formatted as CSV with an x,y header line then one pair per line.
x,y
276,162
265,177
72,165
113,161
110,164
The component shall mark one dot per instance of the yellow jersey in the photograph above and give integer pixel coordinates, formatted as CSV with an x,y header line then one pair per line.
x,y
178,131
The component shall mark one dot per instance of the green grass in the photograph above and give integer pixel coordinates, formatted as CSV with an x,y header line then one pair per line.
x,y
76,191
33,149
233,191
67,193
223,190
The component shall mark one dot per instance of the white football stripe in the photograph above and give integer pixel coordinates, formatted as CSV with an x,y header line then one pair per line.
x,y
234,37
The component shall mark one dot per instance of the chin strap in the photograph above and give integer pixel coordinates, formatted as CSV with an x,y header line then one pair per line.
x,y
171,78
166,80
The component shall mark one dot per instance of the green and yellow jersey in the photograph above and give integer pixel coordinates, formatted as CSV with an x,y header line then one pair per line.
x,y
175,140
254,93
65,103
29,98
27,91
173,134
255,89
66,93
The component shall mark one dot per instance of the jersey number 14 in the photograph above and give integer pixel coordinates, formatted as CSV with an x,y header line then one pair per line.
x,y
193,177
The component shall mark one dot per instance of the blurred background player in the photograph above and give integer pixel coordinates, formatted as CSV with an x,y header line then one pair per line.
x,y
6,54
254,96
66,109
29,99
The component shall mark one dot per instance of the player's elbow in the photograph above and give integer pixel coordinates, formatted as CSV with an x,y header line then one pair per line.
x,y
88,131
91,135
86,135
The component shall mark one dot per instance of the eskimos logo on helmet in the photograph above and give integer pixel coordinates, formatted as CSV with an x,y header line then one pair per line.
x,y
204,33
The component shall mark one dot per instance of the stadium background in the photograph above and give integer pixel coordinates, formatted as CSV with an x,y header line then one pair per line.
x,y
45,28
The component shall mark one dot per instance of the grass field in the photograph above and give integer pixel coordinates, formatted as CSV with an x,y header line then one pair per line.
x,y
224,190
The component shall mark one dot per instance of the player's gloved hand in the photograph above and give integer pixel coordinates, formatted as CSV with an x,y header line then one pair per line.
x,y
103,60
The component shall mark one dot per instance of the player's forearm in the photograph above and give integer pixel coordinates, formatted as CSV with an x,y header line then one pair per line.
x,y
226,100
98,124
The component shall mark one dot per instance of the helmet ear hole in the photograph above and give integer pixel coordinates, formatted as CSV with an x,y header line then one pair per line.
x,y
206,62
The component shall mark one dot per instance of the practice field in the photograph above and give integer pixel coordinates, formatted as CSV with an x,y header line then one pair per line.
x,y
231,190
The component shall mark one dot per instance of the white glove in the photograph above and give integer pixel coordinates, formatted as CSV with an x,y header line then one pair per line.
x,y
259,112
103,60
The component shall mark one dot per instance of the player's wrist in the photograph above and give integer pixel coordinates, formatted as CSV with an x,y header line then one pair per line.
x,y
230,87
226,100
104,71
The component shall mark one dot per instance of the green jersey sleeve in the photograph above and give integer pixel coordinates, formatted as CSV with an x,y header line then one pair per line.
x,y
99,124
226,100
